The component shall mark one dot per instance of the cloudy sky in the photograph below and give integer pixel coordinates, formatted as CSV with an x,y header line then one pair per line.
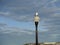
x,y
17,25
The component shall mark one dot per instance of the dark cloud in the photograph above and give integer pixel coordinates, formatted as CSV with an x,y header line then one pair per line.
x,y
17,9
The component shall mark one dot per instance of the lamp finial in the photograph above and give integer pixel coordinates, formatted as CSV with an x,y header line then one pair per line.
x,y
36,13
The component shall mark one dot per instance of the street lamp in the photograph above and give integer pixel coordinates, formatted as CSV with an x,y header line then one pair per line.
x,y
36,20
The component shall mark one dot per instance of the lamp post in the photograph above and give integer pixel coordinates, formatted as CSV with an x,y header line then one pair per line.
x,y
36,20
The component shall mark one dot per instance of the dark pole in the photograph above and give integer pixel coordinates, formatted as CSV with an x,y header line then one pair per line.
x,y
36,19
36,25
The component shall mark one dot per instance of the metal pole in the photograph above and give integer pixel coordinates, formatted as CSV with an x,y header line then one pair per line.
x,y
36,25
36,19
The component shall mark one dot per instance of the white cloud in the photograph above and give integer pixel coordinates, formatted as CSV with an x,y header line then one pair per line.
x,y
48,4
4,13
56,15
54,36
49,10
30,33
43,30
53,1
11,30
